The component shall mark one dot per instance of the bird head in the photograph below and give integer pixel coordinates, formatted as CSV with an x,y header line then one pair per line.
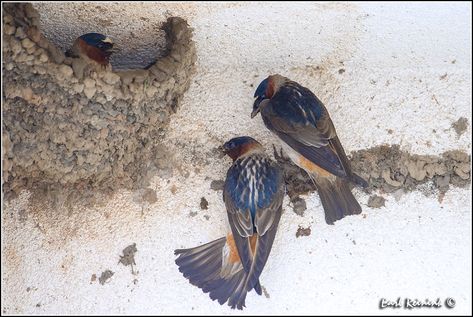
x,y
99,41
238,146
266,90
260,94
95,46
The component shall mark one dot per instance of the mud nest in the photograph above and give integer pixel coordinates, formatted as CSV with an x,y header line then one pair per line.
x,y
70,123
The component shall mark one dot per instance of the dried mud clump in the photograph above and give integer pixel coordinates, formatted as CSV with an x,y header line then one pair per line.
x,y
70,123
376,201
303,232
460,126
388,169
105,276
204,204
128,257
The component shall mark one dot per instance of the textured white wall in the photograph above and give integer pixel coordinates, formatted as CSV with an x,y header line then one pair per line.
x,y
395,57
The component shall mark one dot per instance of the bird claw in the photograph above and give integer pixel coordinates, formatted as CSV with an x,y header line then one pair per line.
x,y
279,156
275,153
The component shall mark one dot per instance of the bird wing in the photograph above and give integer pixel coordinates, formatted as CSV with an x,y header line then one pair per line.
x,y
266,220
236,198
300,119
260,193
253,193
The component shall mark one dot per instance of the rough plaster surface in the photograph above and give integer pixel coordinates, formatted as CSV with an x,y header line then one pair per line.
x,y
394,57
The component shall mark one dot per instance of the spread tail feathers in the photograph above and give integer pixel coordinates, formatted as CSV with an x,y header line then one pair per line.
x,y
337,199
202,266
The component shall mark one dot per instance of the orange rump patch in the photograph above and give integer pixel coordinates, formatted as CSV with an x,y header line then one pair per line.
x,y
311,167
234,256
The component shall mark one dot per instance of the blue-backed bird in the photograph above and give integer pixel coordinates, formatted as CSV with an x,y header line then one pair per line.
x,y
301,121
229,267
92,46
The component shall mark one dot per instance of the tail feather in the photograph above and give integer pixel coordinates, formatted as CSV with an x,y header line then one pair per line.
x,y
207,271
193,262
359,181
263,248
262,251
337,199
222,289
202,266
258,289
237,299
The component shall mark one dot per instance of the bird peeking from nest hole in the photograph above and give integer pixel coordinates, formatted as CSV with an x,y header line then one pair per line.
x,y
92,47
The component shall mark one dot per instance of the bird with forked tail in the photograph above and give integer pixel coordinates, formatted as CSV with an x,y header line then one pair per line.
x,y
229,267
92,46
301,121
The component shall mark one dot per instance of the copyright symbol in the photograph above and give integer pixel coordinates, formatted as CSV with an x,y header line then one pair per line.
x,y
450,302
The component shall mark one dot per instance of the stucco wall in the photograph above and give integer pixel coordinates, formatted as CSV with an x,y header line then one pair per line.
x,y
388,73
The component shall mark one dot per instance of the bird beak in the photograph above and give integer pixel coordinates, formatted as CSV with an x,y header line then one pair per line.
x,y
222,151
256,107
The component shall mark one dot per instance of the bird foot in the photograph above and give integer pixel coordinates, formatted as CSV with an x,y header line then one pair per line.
x,y
279,156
